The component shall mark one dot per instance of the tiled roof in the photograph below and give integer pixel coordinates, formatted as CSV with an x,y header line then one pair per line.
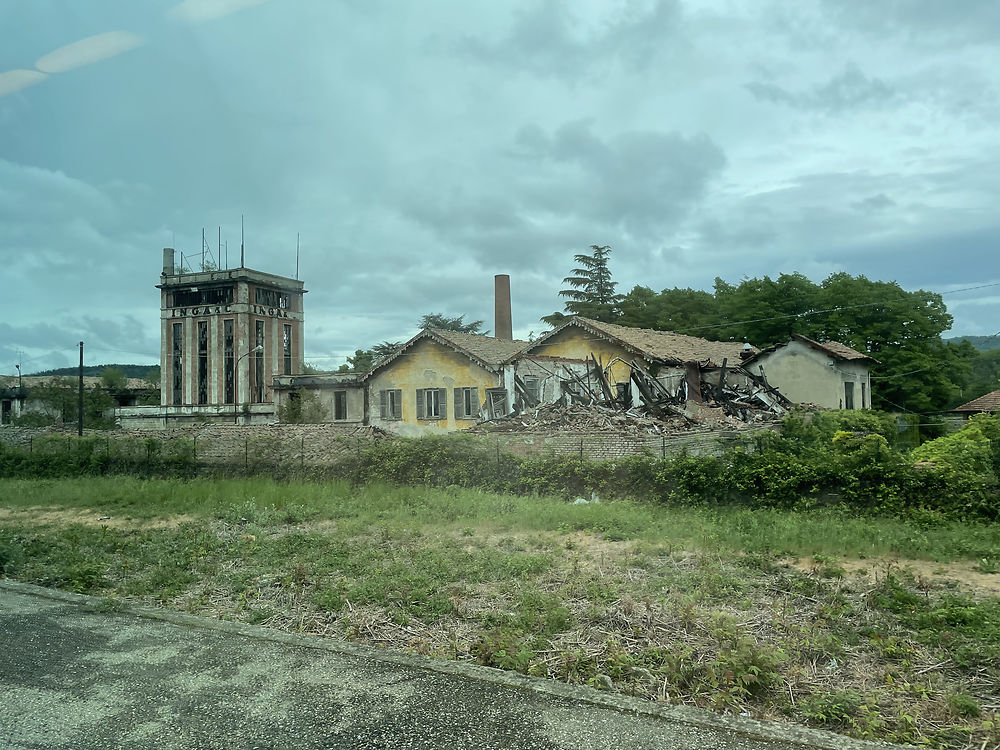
x,y
989,402
834,348
662,346
489,351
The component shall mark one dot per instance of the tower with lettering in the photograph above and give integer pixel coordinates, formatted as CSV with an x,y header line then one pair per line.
x,y
224,334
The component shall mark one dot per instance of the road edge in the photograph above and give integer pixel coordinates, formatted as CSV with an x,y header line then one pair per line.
x,y
817,739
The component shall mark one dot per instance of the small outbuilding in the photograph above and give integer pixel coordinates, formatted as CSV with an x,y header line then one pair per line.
x,y
827,374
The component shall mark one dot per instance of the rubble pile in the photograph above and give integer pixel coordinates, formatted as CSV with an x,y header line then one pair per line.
x,y
590,418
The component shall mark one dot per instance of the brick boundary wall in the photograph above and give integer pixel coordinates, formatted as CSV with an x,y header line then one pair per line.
x,y
322,443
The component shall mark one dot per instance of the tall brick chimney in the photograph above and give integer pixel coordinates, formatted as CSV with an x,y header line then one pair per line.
x,y
502,326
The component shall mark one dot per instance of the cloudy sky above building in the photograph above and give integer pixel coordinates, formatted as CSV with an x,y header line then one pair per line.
x,y
420,148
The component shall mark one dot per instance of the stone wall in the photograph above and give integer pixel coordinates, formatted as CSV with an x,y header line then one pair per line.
x,y
603,446
323,443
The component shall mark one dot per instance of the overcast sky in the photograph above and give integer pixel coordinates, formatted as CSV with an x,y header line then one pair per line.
x,y
419,148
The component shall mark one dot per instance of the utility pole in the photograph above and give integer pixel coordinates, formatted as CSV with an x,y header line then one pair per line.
x,y
79,402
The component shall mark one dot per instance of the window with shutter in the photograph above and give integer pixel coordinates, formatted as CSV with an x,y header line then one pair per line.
x,y
390,404
459,403
431,403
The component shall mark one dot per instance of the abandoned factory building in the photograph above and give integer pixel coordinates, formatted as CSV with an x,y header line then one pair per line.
x,y
232,350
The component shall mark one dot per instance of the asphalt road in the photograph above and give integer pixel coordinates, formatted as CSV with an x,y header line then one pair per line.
x,y
72,676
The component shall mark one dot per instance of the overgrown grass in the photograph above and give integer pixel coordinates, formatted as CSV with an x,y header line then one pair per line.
x,y
821,531
687,605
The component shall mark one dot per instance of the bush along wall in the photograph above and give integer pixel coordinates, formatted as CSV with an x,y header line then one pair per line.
x,y
848,460
70,456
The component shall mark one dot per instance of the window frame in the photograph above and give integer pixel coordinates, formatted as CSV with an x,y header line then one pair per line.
x,y
465,395
436,396
391,404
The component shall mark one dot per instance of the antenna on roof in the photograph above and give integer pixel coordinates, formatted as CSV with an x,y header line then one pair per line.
x,y
220,248
242,252
203,248
296,256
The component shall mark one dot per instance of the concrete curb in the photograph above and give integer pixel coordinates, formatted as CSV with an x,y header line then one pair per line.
x,y
751,728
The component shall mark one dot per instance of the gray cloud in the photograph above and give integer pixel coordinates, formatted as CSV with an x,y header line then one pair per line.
x,y
848,90
554,38
412,177
925,22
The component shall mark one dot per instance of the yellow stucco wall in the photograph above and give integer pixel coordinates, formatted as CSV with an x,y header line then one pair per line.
x,y
428,364
575,343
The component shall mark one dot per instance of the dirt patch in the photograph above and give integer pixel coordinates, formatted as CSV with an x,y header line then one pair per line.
x,y
934,574
55,516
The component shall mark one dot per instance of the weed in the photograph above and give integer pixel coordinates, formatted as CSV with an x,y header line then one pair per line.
x,y
963,705
835,708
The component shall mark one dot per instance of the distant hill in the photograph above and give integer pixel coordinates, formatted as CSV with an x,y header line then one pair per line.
x,y
129,371
982,343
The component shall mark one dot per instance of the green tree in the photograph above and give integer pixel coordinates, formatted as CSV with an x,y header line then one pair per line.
x,y
60,396
985,375
365,359
591,291
443,322
152,377
682,310
113,379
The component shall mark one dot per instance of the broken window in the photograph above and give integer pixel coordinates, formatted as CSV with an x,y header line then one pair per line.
x,y
178,372
848,395
258,363
286,345
340,404
272,298
431,403
202,362
220,295
863,395
229,362
466,403
391,403
496,402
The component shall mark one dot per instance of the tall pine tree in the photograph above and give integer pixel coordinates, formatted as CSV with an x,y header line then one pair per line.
x,y
591,292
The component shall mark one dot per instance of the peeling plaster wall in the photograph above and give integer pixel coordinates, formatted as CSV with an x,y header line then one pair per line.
x,y
428,364
324,392
803,374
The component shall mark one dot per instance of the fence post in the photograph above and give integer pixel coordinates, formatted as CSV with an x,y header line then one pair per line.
x,y
246,452
194,448
581,447
31,443
302,452
663,446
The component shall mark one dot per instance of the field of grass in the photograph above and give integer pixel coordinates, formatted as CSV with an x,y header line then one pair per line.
x,y
877,628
